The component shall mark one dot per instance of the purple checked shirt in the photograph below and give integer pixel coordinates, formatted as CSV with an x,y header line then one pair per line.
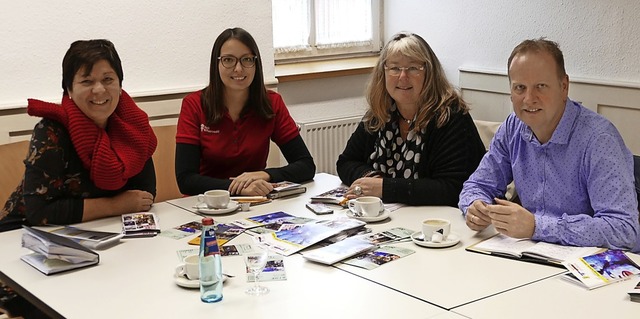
x,y
579,185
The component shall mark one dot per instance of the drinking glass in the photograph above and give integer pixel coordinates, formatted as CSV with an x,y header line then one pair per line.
x,y
255,262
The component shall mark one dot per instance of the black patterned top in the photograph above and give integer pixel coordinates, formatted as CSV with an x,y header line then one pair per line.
x,y
55,182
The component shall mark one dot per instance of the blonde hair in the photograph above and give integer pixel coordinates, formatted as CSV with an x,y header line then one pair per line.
x,y
437,97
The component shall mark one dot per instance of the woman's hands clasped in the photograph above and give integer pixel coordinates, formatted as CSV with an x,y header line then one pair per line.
x,y
251,183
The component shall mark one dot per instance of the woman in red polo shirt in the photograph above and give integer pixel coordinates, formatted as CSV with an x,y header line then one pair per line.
x,y
223,134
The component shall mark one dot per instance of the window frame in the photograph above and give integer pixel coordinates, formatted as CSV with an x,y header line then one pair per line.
x,y
315,54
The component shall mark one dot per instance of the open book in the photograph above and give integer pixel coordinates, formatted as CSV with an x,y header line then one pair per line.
x,y
284,189
333,196
528,250
601,269
53,253
89,238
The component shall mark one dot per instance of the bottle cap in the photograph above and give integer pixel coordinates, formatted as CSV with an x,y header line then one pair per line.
x,y
207,221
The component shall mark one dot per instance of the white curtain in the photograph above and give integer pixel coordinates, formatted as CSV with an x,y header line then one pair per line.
x,y
336,23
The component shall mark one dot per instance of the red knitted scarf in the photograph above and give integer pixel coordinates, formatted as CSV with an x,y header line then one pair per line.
x,y
114,155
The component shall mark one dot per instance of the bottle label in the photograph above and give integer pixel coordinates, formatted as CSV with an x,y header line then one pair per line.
x,y
210,243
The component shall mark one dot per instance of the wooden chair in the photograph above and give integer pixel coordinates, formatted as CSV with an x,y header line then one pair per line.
x,y
164,161
12,157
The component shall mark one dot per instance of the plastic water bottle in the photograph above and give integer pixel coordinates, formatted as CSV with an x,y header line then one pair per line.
x,y
210,263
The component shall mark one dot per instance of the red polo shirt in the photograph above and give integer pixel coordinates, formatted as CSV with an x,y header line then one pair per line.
x,y
229,149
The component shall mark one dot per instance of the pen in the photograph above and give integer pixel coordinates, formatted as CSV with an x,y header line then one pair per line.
x,y
578,270
245,198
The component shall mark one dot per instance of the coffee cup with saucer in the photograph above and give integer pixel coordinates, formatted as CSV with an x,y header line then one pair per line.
x,y
435,233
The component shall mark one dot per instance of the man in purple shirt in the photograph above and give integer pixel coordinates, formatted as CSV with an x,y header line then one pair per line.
x,y
572,171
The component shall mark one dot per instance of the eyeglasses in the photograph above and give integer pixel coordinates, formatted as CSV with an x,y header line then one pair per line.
x,y
409,70
229,61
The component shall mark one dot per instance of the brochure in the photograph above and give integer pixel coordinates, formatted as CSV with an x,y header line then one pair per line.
x,y
270,228
140,225
601,269
391,235
341,250
224,233
379,257
261,220
183,230
272,271
334,196
297,237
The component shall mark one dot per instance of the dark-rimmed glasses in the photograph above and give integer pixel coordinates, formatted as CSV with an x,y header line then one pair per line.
x,y
230,61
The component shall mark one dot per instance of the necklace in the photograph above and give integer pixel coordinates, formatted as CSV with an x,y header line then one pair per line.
x,y
404,119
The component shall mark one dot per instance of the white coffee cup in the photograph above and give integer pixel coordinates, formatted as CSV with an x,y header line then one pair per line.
x,y
436,229
369,206
189,267
217,198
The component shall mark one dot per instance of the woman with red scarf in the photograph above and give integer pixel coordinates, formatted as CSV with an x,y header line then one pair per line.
x,y
90,156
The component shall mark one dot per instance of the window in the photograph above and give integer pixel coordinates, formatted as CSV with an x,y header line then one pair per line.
x,y
319,28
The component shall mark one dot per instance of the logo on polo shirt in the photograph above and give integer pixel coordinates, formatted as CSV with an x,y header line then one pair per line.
x,y
206,129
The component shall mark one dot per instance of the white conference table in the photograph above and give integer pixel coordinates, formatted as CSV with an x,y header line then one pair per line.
x,y
446,277
557,298
135,280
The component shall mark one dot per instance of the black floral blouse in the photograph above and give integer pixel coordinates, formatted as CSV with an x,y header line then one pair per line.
x,y
55,182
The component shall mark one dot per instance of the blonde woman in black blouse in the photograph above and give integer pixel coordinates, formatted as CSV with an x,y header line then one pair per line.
x,y
417,142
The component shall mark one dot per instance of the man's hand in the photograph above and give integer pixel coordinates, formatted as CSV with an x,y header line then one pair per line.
x,y
478,216
512,219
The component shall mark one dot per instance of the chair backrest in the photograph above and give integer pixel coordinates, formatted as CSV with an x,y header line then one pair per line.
x,y
12,158
487,130
164,162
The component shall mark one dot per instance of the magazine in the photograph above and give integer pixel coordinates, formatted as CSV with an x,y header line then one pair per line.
x,y
379,257
297,237
89,238
334,196
601,269
528,250
140,225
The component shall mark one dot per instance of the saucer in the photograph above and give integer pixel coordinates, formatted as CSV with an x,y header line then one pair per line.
x,y
202,208
188,283
368,219
418,239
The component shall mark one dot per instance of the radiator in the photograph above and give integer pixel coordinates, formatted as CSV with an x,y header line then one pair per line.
x,y
327,139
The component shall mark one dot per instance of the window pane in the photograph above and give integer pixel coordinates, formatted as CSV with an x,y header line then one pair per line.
x,y
290,25
342,23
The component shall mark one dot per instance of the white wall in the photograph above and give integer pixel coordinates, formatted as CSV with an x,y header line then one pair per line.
x,y
165,45
600,39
